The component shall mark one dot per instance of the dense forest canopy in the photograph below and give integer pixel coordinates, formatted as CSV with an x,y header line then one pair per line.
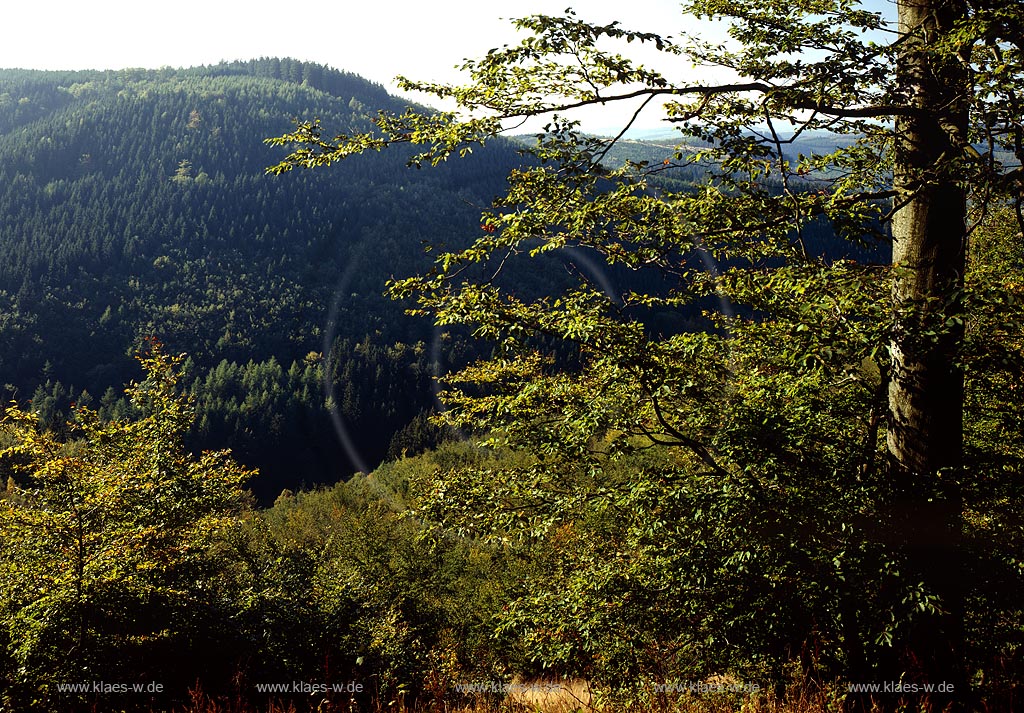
x,y
135,203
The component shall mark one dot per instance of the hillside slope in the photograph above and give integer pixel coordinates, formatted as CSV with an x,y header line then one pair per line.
x,y
135,204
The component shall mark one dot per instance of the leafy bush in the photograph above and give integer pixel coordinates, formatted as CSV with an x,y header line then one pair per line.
x,y
107,546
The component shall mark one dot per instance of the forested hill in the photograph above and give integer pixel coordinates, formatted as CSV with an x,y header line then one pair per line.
x,y
135,204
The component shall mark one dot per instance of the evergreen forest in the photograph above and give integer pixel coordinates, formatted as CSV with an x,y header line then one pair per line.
x,y
136,204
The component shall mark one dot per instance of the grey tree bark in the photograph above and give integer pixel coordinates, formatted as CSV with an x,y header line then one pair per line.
x,y
926,390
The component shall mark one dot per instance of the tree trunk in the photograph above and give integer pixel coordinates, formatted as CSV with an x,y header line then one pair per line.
x,y
926,390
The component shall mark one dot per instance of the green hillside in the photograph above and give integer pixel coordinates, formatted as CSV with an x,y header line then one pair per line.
x,y
135,204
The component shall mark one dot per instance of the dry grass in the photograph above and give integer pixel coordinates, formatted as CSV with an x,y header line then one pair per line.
x,y
540,697
559,696
551,696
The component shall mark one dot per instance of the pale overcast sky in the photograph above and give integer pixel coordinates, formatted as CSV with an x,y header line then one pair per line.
x,y
378,40
375,39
